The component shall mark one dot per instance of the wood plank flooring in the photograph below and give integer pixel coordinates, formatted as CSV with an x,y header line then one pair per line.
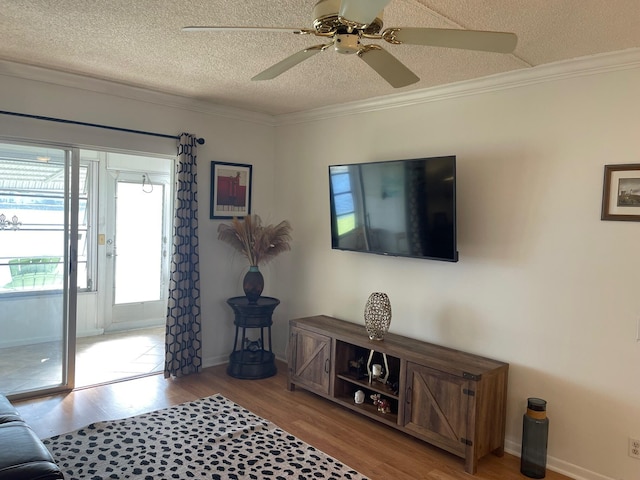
x,y
375,450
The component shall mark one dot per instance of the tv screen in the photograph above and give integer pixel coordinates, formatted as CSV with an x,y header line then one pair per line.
x,y
403,207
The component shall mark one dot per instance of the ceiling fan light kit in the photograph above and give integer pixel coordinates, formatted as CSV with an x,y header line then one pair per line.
x,y
330,16
347,22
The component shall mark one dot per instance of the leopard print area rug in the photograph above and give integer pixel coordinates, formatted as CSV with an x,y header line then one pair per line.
x,y
210,438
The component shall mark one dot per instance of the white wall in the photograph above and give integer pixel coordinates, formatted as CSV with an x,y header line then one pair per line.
x,y
231,136
542,283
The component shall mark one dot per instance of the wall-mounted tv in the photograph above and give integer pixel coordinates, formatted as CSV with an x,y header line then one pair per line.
x,y
402,208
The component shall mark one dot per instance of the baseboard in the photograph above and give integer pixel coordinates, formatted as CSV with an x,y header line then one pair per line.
x,y
222,359
214,361
137,325
29,341
94,332
559,466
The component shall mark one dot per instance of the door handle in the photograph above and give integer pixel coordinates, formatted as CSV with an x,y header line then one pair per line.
x,y
73,258
112,253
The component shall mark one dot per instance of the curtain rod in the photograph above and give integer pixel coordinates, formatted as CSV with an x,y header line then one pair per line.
x,y
96,125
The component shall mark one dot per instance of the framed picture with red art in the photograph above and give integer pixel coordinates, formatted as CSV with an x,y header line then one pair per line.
x,y
230,190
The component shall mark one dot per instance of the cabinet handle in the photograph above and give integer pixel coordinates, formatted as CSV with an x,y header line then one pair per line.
x,y
408,396
326,366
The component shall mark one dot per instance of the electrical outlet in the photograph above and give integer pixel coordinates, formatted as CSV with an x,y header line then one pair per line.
x,y
634,448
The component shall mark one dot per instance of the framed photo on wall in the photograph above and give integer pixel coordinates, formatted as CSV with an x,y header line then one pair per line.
x,y
230,190
621,192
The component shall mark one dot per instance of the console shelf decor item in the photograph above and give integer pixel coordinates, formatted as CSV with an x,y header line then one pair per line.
x,y
448,398
377,315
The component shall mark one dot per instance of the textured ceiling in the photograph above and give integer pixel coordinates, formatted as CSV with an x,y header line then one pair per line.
x,y
140,43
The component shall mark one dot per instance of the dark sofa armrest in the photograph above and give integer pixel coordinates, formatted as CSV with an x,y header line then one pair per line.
x,y
24,456
8,412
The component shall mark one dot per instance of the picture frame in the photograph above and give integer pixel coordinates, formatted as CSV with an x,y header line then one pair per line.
x,y
621,192
230,190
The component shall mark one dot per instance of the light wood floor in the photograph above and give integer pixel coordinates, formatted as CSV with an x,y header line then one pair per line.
x,y
374,450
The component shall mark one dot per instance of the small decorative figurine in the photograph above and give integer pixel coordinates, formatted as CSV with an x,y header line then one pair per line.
x,y
359,397
382,403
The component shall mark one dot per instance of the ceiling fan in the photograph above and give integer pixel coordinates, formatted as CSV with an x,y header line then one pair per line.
x,y
346,22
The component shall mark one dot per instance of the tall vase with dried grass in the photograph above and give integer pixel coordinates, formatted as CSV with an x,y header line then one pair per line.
x,y
259,244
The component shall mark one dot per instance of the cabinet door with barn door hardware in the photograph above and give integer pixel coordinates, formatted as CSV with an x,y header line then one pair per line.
x,y
460,411
309,360
437,407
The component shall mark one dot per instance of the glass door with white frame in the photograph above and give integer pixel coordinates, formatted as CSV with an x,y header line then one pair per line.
x,y
137,241
38,199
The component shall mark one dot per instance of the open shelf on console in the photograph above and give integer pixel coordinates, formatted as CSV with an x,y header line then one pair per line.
x,y
353,363
369,409
364,384
352,374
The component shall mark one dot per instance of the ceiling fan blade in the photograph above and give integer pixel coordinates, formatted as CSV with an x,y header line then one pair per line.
x,y
289,62
501,42
387,66
246,29
362,12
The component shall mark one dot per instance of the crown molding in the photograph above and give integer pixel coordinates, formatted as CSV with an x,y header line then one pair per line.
x,y
95,85
580,67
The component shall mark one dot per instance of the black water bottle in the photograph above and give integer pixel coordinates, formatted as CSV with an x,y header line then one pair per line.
x,y
535,432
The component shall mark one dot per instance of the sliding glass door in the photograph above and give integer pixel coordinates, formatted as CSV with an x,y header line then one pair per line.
x,y
39,210
115,210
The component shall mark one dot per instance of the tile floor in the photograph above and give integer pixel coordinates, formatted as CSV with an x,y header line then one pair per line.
x,y
100,359
115,356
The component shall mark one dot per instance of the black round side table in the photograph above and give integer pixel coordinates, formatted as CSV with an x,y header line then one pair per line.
x,y
252,359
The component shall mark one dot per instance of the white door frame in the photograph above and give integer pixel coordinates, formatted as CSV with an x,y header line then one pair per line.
x,y
139,314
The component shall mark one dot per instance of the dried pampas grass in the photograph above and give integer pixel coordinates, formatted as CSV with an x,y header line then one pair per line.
x,y
258,243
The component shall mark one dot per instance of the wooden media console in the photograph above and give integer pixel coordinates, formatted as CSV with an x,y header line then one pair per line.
x,y
448,398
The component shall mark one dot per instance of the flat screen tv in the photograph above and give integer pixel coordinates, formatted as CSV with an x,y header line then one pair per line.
x,y
403,208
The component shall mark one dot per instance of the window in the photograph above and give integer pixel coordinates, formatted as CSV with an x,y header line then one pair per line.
x,y
343,199
32,219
